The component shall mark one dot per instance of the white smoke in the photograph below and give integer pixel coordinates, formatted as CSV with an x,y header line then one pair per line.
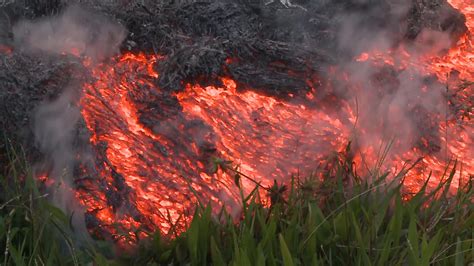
x,y
75,31
385,101
78,32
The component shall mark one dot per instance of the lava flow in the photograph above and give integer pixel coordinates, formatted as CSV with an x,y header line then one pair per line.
x,y
461,56
157,150
456,130
446,125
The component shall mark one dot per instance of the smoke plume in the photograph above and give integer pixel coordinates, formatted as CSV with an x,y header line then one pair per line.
x,y
75,32
396,100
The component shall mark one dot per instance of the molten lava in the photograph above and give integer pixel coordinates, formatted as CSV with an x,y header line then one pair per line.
x,y
454,128
267,138
457,136
461,56
156,150
156,165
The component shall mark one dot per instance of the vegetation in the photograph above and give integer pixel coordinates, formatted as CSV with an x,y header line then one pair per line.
x,y
341,220
32,231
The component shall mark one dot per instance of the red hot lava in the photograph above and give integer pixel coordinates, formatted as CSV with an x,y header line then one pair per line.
x,y
153,147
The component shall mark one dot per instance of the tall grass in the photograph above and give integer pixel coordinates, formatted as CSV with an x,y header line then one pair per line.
x,y
330,223
32,230
311,221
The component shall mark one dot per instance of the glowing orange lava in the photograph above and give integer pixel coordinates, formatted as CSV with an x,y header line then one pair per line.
x,y
457,138
456,70
159,171
155,148
461,56
267,138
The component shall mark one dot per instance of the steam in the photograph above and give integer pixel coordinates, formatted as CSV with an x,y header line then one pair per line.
x,y
386,98
391,103
389,99
395,100
78,32
54,129
75,31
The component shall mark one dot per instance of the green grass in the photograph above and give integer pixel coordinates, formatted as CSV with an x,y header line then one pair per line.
x,y
32,230
309,223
